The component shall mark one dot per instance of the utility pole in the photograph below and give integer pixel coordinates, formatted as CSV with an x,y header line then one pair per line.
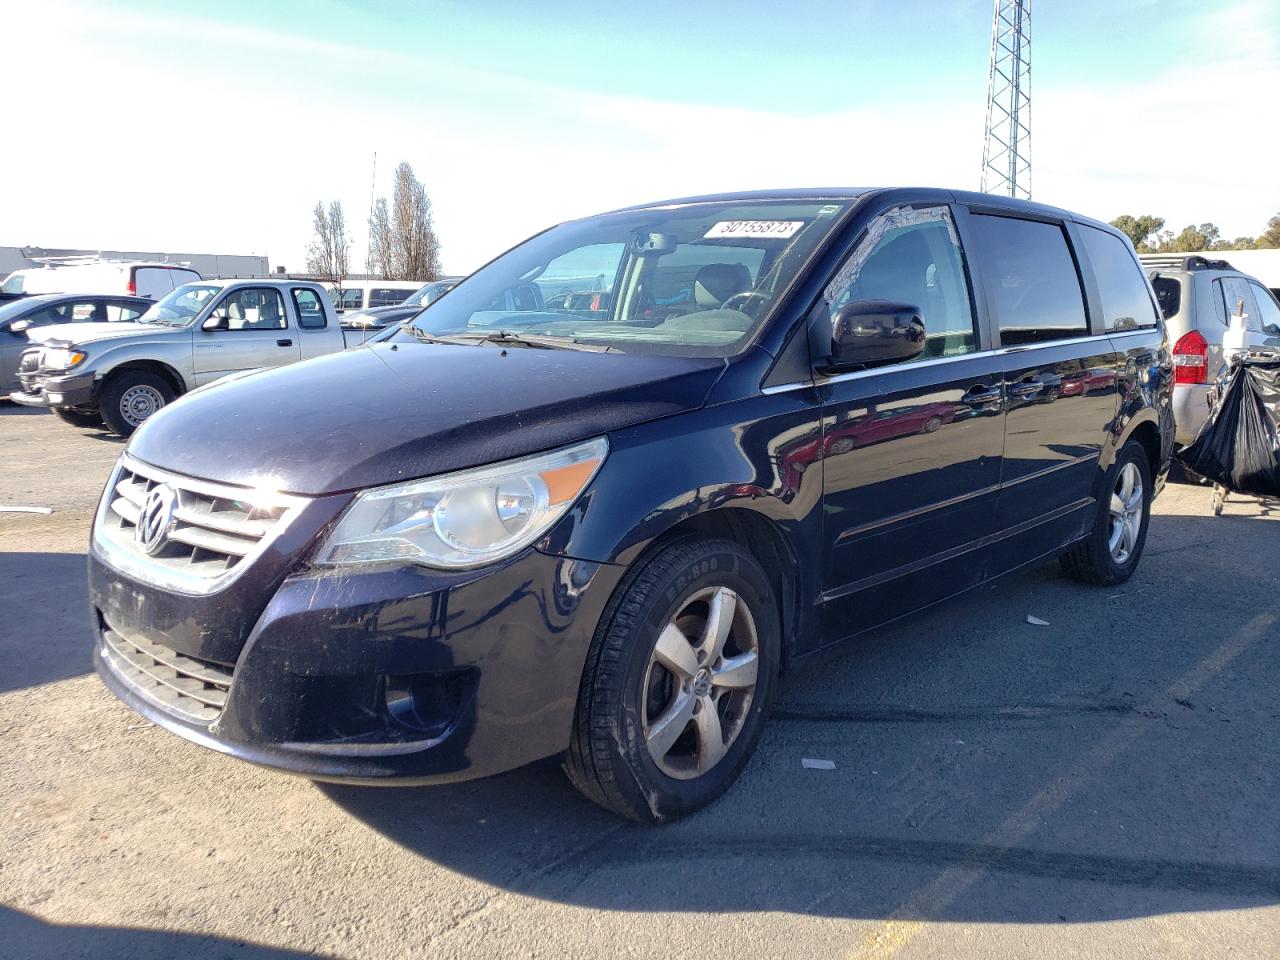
x,y
1006,154
368,247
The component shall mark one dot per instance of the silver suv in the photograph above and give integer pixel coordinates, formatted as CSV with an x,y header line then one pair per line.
x,y
1198,297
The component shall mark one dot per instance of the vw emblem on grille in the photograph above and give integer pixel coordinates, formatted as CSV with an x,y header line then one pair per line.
x,y
155,518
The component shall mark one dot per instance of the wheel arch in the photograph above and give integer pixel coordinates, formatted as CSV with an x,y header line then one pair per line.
x,y
762,537
158,367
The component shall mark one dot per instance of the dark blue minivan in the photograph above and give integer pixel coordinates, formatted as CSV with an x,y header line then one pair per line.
x,y
591,503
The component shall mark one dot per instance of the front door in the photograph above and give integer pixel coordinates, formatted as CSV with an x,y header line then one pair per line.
x,y
252,331
911,451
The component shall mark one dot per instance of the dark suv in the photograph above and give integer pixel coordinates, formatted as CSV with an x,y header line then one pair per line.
x,y
527,531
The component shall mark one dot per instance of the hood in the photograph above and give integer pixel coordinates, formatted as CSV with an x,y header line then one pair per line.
x,y
86,333
383,315
392,412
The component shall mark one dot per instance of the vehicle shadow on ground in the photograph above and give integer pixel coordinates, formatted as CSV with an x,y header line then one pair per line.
x,y
45,630
39,940
10,409
1071,777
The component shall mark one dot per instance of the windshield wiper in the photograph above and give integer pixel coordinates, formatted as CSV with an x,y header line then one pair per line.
x,y
542,342
434,338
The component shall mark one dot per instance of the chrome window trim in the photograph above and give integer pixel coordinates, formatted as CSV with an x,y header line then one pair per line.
x,y
934,361
139,566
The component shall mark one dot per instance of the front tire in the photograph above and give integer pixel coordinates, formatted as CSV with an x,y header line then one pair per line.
x,y
1110,553
78,418
677,682
129,398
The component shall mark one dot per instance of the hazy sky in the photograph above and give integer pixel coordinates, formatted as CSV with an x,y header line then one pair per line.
x,y
216,126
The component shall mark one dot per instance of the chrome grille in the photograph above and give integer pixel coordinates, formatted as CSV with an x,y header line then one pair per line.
x,y
216,529
192,689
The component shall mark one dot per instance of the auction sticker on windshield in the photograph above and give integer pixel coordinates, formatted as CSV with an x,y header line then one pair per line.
x,y
772,229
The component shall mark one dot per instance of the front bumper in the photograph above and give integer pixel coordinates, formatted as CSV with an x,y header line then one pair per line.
x,y
385,674
45,390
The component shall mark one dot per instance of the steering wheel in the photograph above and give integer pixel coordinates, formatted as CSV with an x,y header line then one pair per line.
x,y
739,301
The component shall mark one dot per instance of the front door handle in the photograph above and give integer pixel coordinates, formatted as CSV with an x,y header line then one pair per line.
x,y
980,395
284,343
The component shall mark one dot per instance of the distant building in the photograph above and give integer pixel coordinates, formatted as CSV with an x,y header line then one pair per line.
x,y
208,264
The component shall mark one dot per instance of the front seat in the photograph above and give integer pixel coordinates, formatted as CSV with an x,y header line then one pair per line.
x,y
717,282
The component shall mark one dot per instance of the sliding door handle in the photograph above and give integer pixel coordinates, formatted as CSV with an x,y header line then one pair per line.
x,y
284,343
981,395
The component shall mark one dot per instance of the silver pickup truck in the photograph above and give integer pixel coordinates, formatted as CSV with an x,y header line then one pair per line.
x,y
118,374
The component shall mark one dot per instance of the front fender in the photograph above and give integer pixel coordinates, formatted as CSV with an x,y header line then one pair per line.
x,y
174,357
759,456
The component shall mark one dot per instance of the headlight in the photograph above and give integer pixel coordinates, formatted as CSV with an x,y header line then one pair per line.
x,y
464,519
62,358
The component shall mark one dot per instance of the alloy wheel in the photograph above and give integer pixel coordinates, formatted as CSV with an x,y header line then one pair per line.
x,y
700,682
1126,513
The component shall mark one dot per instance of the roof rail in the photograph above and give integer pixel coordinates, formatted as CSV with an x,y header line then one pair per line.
x,y
1181,261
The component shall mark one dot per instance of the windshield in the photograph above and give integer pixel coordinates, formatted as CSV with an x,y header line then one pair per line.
x,y
180,307
16,308
692,280
429,294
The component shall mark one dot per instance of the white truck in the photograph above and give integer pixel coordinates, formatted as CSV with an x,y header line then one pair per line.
x,y
118,374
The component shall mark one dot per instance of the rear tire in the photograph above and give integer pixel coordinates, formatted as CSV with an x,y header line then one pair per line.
x,y
677,682
1110,553
78,418
129,398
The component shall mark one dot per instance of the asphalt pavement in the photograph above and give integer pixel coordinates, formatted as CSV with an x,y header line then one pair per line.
x,y
1107,785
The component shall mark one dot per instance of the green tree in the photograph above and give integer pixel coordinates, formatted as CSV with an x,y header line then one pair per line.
x,y
1271,236
1139,229
1192,239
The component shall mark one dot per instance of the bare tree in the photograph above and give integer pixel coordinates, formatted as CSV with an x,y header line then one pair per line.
x,y
416,250
329,254
380,242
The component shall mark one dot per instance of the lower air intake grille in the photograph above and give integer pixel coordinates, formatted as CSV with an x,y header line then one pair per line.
x,y
194,690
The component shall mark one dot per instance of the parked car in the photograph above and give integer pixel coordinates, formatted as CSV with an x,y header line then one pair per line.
x,y
1198,297
122,373
133,278
524,533
355,295
41,310
376,318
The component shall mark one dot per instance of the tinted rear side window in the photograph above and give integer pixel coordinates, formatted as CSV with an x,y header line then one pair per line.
x,y
384,297
1168,294
1032,279
1126,305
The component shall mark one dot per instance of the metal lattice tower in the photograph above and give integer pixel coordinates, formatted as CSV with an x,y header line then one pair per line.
x,y
1006,155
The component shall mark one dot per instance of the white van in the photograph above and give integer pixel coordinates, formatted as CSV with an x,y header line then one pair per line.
x,y
135,278
365,294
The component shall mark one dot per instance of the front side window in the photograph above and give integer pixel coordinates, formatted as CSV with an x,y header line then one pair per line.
x,y
1032,279
694,279
253,308
310,310
1126,305
119,311
912,256
1268,310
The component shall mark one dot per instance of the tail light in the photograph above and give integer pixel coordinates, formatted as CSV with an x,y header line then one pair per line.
x,y
132,288
1191,359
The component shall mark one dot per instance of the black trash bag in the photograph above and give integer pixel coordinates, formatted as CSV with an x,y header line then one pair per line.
x,y
1239,445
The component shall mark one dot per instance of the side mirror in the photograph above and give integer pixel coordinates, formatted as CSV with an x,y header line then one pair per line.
x,y
868,333
216,321
18,326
